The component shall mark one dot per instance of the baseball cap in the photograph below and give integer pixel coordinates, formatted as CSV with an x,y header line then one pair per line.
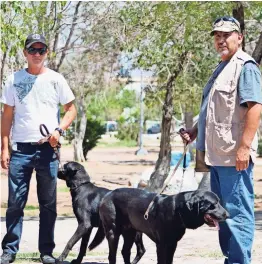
x,y
34,38
226,24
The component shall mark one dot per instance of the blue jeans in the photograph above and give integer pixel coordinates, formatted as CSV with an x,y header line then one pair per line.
x,y
23,161
235,190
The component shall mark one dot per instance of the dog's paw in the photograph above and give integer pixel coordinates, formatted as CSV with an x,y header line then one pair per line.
x,y
74,261
59,260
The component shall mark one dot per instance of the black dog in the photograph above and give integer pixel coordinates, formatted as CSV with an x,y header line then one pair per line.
x,y
86,198
122,212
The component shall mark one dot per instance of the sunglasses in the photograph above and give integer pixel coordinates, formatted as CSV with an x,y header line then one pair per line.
x,y
33,51
226,18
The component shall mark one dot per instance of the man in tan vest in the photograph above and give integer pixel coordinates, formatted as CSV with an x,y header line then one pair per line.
x,y
227,137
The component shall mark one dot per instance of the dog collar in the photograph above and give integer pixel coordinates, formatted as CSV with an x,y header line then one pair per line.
x,y
74,187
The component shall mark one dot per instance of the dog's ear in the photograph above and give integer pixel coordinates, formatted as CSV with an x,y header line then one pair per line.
x,y
72,168
193,202
189,205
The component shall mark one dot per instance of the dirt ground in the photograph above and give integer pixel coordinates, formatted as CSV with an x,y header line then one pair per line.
x,y
114,167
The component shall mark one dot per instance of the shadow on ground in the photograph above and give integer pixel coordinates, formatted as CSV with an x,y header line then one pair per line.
x,y
68,262
132,162
36,218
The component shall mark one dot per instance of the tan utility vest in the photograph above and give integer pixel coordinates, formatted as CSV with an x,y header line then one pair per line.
x,y
225,117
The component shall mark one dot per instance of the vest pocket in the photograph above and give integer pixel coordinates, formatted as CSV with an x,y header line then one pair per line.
x,y
224,103
225,139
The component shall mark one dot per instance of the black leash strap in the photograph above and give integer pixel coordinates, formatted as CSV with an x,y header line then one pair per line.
x,y
183,157
167,181
46,136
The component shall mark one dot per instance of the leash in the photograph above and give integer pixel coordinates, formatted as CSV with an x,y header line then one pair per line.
x,y
45,132
184,169
183,157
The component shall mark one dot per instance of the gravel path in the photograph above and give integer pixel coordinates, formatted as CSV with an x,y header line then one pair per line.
x,y
197,246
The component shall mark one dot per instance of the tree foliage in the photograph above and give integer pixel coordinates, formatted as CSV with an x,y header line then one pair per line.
x,y
172,39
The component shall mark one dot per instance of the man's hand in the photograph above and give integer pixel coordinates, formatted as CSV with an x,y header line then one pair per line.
x,y
188,135
54,139
242,158
5,159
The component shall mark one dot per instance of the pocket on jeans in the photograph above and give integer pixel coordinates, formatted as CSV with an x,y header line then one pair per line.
x,y
225,139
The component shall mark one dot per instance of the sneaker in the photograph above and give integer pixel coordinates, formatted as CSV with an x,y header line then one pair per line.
x,y
47,258
7,258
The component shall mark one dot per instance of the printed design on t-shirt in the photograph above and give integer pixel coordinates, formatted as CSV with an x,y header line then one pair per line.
x,y
24,87
55,85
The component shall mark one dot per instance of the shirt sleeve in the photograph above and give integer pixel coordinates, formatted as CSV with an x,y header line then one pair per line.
x,y
65,93
250,84
8,92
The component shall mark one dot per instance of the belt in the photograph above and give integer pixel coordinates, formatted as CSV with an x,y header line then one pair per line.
x,y
31,143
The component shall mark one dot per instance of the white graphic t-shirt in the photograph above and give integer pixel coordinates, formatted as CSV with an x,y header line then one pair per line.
x,y
36,100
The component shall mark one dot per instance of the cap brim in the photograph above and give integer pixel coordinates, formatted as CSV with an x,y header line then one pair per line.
x,y
222,29
37,41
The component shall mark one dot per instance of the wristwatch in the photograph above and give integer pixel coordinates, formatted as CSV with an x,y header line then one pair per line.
x,y
60,130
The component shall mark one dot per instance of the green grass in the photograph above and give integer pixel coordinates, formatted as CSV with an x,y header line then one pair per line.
x,y
4,205
31,207
67,214
28,207
63,189
31,257
122,143
35,257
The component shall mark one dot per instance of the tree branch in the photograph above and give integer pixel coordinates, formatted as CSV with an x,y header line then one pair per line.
x,y
69,36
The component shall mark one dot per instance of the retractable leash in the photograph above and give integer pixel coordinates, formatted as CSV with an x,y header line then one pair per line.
x,y
46,138
183,157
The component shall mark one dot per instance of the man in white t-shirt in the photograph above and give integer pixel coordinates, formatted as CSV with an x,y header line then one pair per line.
x,y
31,97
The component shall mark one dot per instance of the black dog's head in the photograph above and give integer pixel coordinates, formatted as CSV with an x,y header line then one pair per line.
x,y
206,208
74,174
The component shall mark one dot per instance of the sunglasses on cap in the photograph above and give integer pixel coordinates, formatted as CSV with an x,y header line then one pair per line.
x,y
33,51
227,18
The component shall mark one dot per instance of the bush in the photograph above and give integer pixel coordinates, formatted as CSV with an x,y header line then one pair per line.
x,y
259,150
94,130
127,131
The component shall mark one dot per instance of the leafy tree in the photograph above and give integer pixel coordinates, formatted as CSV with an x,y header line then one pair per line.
x,y
83,40
12,35
172,39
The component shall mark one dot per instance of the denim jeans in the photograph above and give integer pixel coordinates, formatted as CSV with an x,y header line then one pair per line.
x,y
235,190
24,160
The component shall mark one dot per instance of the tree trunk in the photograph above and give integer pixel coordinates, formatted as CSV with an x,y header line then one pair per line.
x,y
80,133
238,13
189,119
2,67
163,163
257,53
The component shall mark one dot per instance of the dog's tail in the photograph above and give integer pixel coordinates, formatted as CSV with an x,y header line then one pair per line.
x,y
99,237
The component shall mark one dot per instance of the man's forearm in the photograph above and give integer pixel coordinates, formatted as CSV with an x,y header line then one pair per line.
x,y
251,125
69,116
6,124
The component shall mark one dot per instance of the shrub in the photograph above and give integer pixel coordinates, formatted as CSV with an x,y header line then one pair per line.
x,y
94,130
127,130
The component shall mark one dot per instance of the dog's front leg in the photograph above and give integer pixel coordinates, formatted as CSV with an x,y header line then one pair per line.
x,y
83,247
161,251
170,253
80,231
